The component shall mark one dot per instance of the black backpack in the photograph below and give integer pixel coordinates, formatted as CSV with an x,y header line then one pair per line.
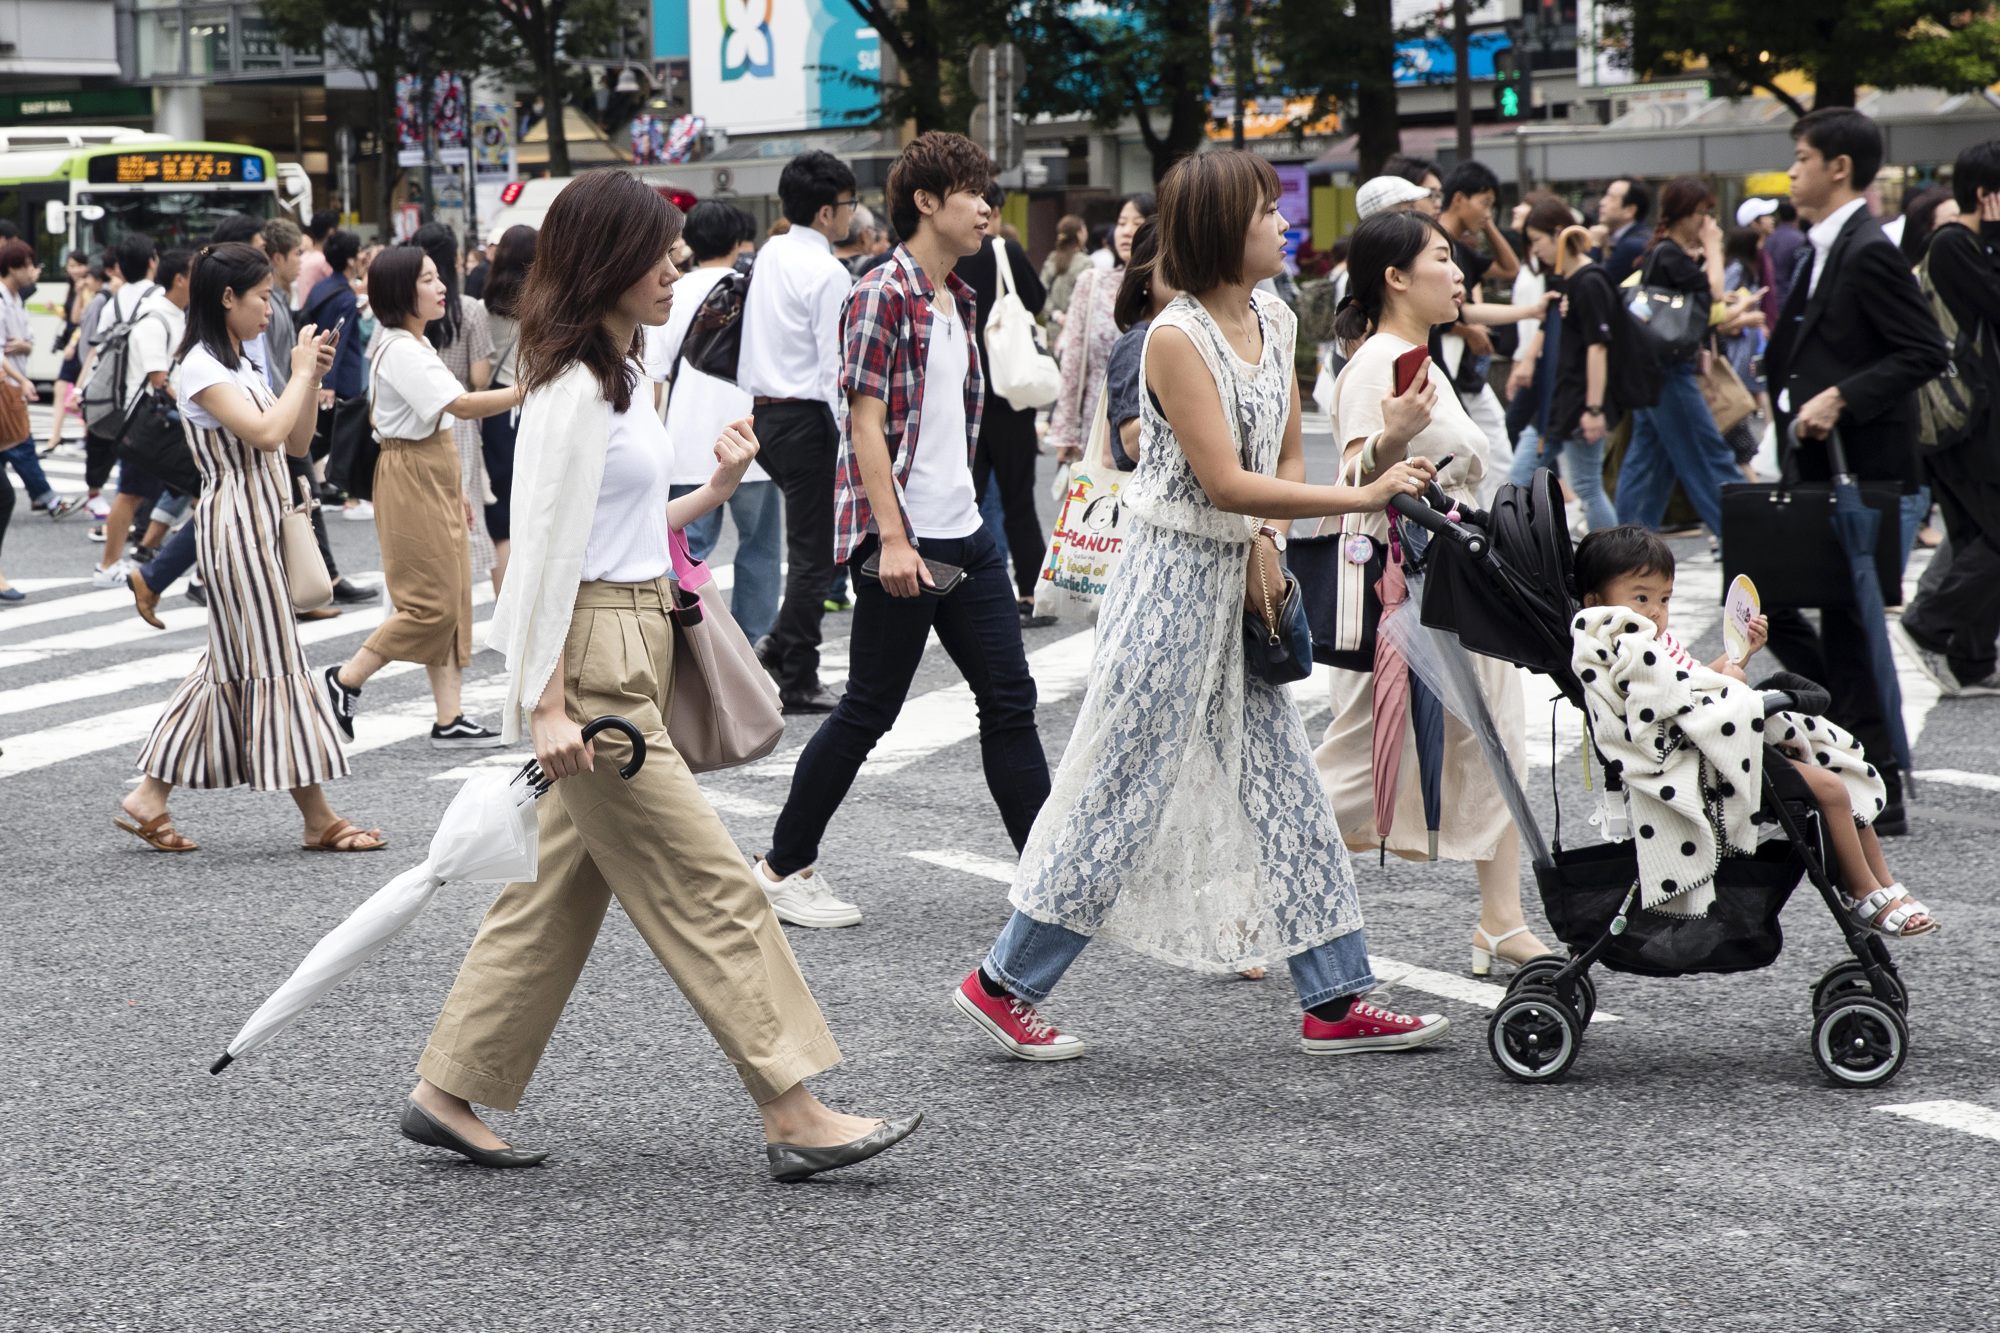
x,y
104,407
714,340
1952,407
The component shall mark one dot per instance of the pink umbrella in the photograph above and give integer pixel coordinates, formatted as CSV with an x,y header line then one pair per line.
x,y
1391,700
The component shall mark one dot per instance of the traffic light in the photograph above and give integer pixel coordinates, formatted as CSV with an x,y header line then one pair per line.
x,y
1511,74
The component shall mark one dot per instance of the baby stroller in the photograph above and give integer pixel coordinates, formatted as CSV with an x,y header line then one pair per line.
x,y
1499,582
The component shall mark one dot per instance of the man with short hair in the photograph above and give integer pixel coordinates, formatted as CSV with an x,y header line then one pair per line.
x,y
18,273
1422,173
790,365
1622,243
1951,626
157,327
1854,342
910,370
312,264
1469,195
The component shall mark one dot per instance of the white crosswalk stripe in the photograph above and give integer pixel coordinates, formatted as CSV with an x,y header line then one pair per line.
x,y
1965,1117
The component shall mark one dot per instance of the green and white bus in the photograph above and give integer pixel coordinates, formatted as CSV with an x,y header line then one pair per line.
x,y
84,187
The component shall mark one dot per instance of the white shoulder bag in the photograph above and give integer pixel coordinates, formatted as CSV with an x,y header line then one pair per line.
x,y
1022,372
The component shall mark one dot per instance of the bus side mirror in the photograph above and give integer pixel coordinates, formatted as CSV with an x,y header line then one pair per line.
x,y
55,218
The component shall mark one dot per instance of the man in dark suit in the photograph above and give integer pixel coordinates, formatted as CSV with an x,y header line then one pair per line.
x,y
1854,342
1621,213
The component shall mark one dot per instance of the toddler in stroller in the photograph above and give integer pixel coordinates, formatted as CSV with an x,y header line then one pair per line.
x,y
1631,568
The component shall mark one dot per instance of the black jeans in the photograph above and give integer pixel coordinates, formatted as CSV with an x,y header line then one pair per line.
x,y
980,627
1958,614
497,435
799,445
1006,455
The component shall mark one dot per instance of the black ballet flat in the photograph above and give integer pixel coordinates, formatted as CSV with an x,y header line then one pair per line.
x,y
792,1161
419,1126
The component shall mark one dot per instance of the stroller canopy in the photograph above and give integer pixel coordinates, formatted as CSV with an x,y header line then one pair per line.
x,y
1514,602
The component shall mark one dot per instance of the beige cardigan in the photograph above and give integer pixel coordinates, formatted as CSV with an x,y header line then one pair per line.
x,y
558,469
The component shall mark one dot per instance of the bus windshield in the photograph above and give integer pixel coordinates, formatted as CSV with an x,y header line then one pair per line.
x,y
172,218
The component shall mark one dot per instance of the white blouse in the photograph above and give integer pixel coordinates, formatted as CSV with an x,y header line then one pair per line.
x,y
628,532
411,386
200,369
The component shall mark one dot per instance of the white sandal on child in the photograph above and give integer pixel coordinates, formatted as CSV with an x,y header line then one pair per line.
x,y
1877,913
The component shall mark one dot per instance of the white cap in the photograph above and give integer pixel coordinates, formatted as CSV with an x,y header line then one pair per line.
x,y
1384,193
1750,210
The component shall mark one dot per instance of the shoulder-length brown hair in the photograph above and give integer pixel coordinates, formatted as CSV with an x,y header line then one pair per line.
x,y
1206,206
604,232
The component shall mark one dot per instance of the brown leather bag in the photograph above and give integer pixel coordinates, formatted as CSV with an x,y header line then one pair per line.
x,y
14,428
726,709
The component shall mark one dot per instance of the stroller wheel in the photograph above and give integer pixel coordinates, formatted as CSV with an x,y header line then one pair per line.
x,y
1580,994
1849,978
1533,1036
1860,1042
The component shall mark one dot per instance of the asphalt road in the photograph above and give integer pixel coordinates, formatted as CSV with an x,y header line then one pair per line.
x,y
1195,1171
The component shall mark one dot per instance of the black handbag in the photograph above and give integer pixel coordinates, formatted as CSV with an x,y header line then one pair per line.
x,y
1781,534
1675,323
714,340
155,443
1279,650
353,448
1316,566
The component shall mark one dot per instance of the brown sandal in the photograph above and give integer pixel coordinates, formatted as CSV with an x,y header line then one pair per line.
x,y
158,833
336,836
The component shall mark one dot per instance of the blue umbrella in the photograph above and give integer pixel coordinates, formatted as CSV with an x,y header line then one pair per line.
x,y
1858,528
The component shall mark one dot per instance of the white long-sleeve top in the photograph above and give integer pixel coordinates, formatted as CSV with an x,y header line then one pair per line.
x,y
791,320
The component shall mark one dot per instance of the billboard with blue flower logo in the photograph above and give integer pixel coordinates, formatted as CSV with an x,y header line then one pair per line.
x,y
772,66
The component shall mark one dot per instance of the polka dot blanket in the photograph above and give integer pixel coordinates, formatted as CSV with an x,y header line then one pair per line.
x,y
1690,745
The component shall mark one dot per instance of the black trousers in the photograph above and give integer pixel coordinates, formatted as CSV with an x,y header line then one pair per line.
x,y
1845,673
98,456
1958,614
1006,455
799,445
302,467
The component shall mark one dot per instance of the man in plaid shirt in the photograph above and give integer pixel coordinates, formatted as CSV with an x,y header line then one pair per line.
x,y
910,371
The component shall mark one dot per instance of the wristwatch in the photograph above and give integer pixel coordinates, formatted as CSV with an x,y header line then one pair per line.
x,y
1595,409
1277,537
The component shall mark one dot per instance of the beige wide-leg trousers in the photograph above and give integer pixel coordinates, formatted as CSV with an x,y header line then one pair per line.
x,y
657,844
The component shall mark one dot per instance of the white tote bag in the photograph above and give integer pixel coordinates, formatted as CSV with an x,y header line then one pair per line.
x,y
1089,540
1022,372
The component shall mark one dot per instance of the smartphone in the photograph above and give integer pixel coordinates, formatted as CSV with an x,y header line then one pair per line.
x,y
338,327
1408,366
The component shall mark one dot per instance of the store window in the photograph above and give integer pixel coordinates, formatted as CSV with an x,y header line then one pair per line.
x,y
173,39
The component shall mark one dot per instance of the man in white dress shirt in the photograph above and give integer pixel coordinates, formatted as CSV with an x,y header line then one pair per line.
x,y
790,365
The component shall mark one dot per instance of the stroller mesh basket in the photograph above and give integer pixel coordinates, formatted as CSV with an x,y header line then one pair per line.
x,y
1583,891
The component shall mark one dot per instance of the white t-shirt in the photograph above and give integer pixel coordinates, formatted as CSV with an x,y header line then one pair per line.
x,y
938,496
411,386
698,405
155,336
1357,410
200,370
628,535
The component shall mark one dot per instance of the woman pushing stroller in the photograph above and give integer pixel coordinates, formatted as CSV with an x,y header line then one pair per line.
x,y
1678,729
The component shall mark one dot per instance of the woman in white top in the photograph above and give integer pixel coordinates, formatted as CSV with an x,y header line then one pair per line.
x,y
1403,282
248,714
1186,819
585,622
422,517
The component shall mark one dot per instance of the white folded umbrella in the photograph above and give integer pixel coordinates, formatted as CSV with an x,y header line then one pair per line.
x,y
488,835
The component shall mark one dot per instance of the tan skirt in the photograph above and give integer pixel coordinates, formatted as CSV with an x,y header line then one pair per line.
x,y
426,556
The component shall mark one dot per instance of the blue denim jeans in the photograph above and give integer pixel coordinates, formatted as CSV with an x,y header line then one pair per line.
x,y
1030,957
29,469
979,625
1676,439
171,506
759,513
994,515
1582,468
1916,508
176,558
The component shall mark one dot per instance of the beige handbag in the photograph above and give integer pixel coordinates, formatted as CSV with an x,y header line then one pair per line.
x,y
305,569
726,709
1728,401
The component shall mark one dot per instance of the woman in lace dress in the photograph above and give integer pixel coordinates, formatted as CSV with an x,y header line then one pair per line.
x,y
464,342
1403,283
1186,819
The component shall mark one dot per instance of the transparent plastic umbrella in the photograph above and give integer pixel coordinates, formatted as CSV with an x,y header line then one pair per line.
x,y
488,834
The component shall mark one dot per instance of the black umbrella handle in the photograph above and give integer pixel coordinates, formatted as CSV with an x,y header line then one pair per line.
x,y
531,772
612,722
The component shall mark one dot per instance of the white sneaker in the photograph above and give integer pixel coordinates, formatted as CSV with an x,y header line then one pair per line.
x,y
802,899
100,508
114,577
361,511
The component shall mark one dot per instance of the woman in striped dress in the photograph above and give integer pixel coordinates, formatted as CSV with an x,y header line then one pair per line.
x,y
250,713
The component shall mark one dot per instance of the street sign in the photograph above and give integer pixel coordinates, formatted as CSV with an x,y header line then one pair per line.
x,y
996,82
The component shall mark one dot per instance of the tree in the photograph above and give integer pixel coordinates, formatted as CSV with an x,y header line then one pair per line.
x,y
377,40
548,33
1344,53
930,41
1840,45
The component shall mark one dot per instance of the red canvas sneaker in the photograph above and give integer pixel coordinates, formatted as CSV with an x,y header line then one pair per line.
x,y
1014,1024
1367,1028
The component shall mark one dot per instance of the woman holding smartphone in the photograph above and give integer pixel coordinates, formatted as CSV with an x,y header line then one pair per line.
x,y
1403,284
